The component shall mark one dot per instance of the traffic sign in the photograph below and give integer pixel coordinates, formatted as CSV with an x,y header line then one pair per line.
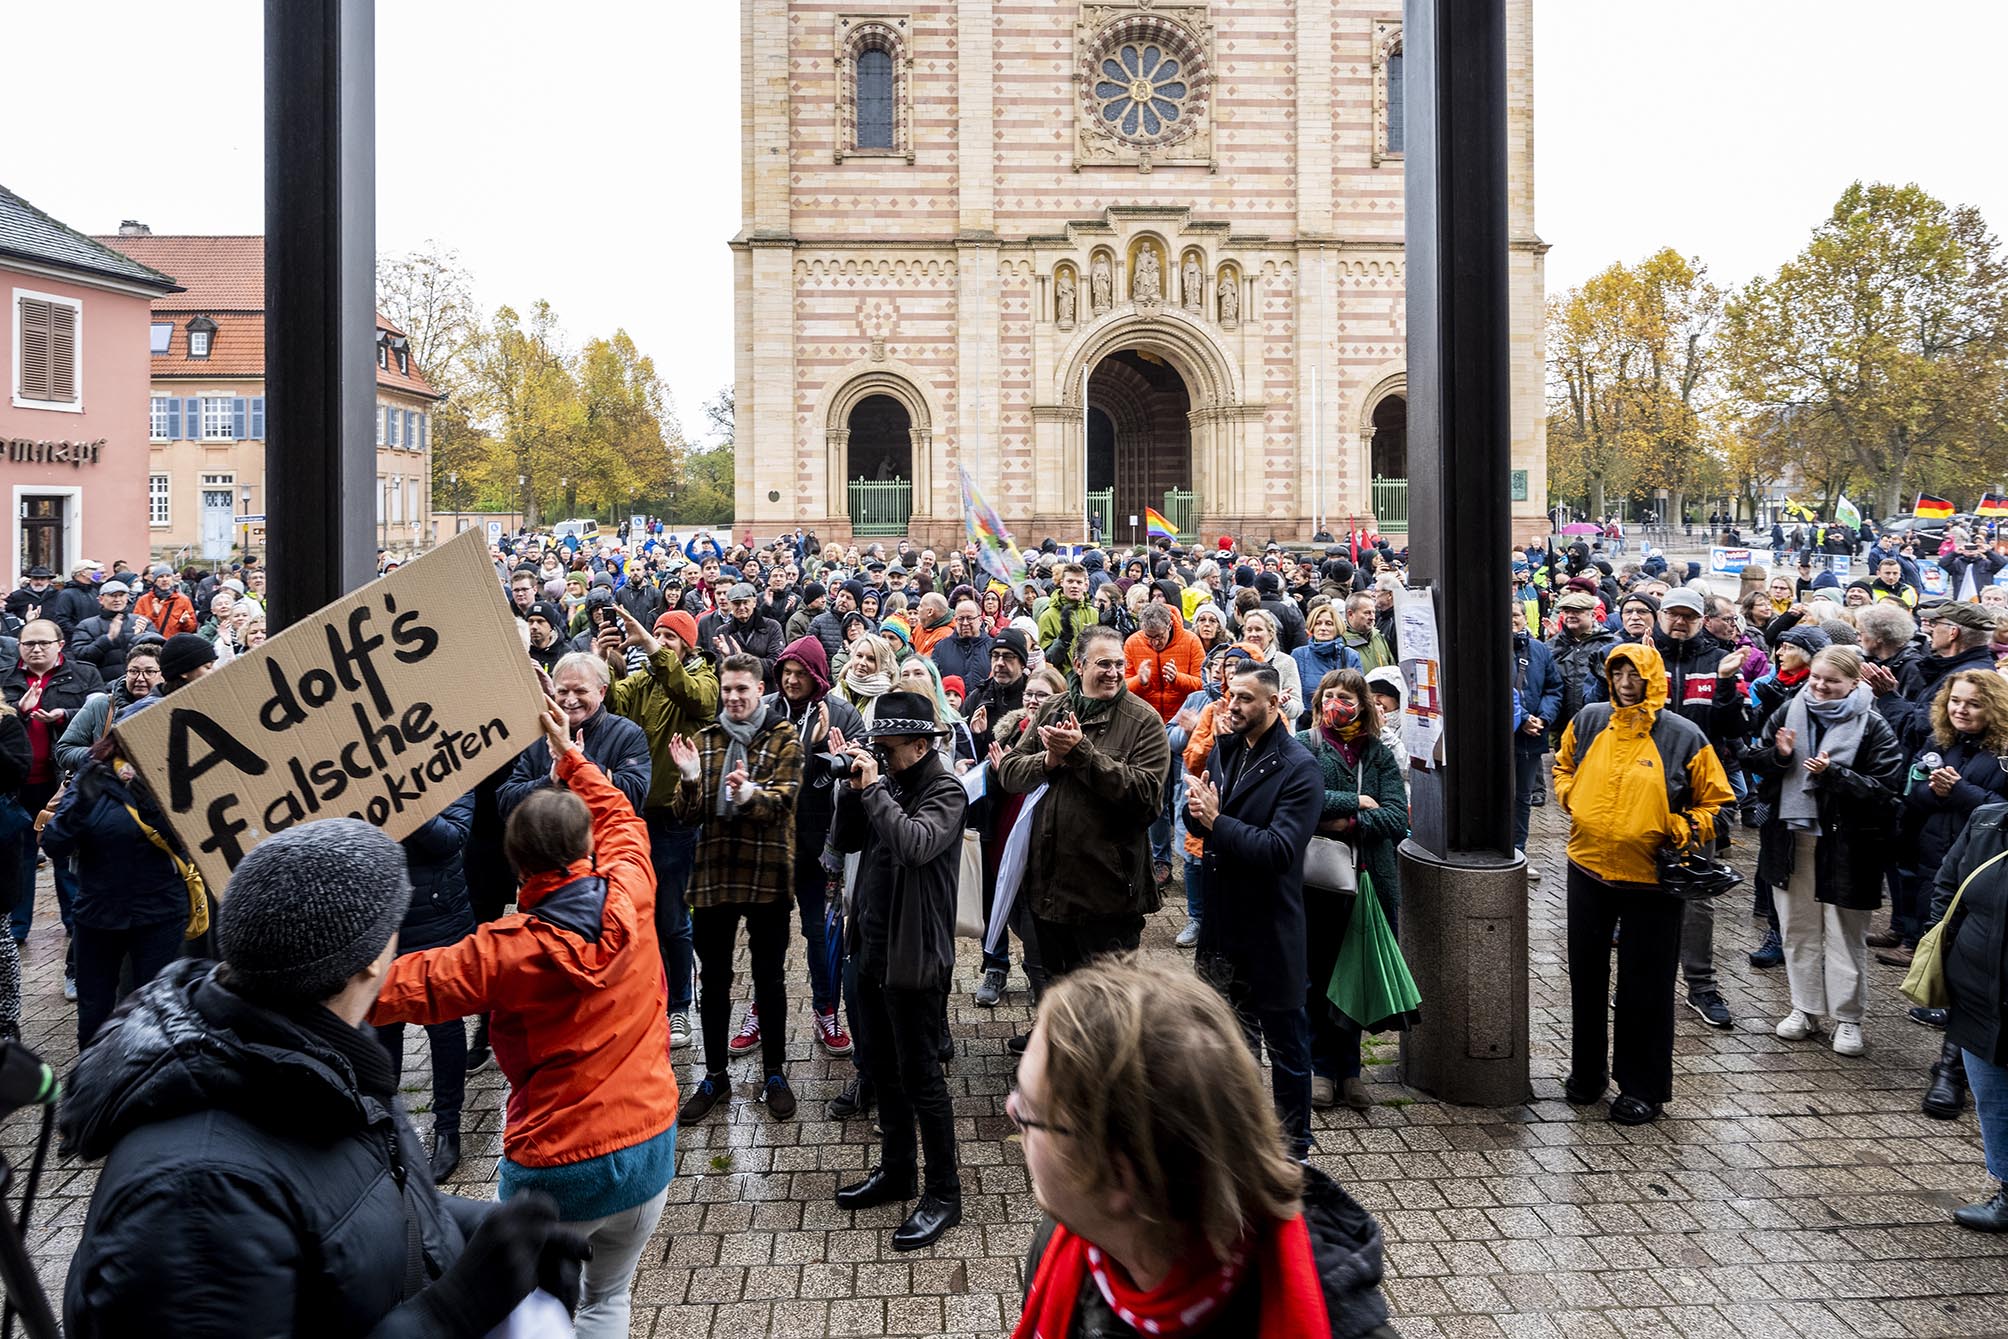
x,y
258,519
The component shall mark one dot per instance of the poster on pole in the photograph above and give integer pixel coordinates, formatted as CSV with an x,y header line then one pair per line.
x,y
1421,671
387,705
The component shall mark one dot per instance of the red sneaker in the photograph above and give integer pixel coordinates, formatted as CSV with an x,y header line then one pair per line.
x,y
748,1036
830,1034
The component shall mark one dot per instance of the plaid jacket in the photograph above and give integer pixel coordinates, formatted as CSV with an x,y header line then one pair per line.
x,y
750,857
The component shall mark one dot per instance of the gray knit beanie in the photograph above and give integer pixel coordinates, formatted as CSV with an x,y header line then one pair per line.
x,y
310,907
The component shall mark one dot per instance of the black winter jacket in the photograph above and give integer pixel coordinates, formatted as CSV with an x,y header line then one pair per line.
x,y
251,1186
614,744
439,913
123,879
1931,822
908,828
1857,808
68,686
93,643
1345,1245
1252,929
1976,944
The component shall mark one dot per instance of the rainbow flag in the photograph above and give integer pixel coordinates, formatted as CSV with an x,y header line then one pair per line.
x,y
1933,508
994,550
1156,526
1992,504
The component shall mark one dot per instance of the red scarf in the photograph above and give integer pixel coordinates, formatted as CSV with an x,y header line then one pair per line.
x,y
1793,678
1191,1297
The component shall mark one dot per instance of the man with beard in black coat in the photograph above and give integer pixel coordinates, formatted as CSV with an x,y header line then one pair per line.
x,y
260,1177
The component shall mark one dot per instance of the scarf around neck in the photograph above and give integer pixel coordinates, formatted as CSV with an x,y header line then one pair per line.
x,y
1841,724
1191,1297
1087,708
867,685
738,738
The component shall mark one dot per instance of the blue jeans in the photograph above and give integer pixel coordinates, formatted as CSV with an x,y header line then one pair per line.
x,y
1526,778
1990,1102
1195,888
33,797
672,849
811,894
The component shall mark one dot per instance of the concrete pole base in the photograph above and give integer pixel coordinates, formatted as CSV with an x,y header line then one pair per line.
x,y
1464,934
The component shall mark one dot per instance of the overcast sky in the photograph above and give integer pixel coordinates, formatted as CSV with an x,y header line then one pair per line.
x,y
588,153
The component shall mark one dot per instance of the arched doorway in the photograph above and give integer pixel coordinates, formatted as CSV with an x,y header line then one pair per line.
x,y
1390,439
879,476
1139,441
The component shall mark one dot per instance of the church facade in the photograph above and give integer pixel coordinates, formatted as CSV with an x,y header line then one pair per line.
x,y
1101,256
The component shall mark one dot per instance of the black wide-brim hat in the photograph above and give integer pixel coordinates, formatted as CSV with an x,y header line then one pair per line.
x,y
903,713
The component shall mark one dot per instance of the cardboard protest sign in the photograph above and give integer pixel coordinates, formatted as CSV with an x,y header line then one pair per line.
x,y
386,706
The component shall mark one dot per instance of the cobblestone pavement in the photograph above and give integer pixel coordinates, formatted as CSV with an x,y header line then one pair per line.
x,y
1787,1191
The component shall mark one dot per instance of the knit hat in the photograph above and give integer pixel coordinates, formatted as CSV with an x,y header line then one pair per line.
x,y
549,612
812,591
1013,641
310,907
184,654
952,683
681,623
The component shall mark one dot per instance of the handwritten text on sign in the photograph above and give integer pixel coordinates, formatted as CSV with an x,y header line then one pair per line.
x,y
386,706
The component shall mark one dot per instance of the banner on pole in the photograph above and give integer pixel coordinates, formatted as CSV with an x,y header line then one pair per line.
x,y
387,705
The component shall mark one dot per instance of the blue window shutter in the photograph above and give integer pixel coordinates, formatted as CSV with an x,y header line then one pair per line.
x,y
239,411
410,431
195,418
424,431
173,417
258,418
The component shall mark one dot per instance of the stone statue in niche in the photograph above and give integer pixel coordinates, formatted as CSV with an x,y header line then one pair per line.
x,y
1104,285
1063,300
1230,300
1149,282
1189,289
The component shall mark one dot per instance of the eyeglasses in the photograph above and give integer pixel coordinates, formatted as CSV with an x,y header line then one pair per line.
x,y
1022,1122
27,644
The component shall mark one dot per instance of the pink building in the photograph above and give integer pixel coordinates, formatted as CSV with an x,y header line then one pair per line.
x,y
73,427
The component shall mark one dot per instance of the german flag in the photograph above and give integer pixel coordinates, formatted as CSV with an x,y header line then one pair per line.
x,y
1992,504
1933,508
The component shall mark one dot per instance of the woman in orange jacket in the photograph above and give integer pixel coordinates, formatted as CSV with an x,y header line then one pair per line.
x,y
574,987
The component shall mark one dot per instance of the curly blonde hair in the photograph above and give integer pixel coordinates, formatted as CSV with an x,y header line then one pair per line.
x,y
1993,691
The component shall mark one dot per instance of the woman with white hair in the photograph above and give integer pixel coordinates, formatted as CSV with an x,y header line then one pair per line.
x,y
1262,635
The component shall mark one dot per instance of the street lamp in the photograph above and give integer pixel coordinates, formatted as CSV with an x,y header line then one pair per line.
x,y
453,486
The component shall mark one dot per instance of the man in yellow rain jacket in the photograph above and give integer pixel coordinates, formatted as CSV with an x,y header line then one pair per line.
x,y
1633,778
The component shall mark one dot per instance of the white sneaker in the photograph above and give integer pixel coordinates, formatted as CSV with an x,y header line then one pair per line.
x,y
1189,935
679,1029
1848,1039
1798,1025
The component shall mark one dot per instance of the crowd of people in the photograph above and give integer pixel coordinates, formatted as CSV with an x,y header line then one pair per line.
x,y
880,747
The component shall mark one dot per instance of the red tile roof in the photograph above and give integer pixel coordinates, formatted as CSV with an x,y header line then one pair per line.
x,y
224,279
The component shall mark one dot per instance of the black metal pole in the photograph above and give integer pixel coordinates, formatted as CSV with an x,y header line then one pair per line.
x,y
320,300
1464,891
1459,412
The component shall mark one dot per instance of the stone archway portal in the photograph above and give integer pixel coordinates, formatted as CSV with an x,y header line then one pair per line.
x,y
1139,436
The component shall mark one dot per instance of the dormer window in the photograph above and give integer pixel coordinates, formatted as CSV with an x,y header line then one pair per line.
x,y
201,334
158,336
403,363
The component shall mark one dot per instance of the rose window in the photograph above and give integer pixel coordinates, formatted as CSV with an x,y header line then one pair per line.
x,y
1141,90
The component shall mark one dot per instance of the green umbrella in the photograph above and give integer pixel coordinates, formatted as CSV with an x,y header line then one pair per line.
x,y
1370,982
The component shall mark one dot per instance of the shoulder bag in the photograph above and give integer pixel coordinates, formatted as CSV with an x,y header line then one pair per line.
x,y
1924,983
1331,864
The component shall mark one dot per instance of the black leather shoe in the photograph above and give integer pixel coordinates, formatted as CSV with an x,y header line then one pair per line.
x,y
1016,1045
1583,1094
478,1054
930,1218
445,1154
1991,1216
1628,1110
1946,1096
881,1187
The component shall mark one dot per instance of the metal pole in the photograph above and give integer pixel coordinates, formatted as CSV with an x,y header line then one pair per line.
x,y
320,300
1464,925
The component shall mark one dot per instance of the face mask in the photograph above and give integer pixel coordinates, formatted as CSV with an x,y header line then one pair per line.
x,y
1340,712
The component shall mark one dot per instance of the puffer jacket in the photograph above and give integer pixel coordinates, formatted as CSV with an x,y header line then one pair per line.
x,y
1581,663
574,988
250,1185
1975,945
123,879
1174,671
1089,857
1317,659
1345,1247
1633,779
1933,822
